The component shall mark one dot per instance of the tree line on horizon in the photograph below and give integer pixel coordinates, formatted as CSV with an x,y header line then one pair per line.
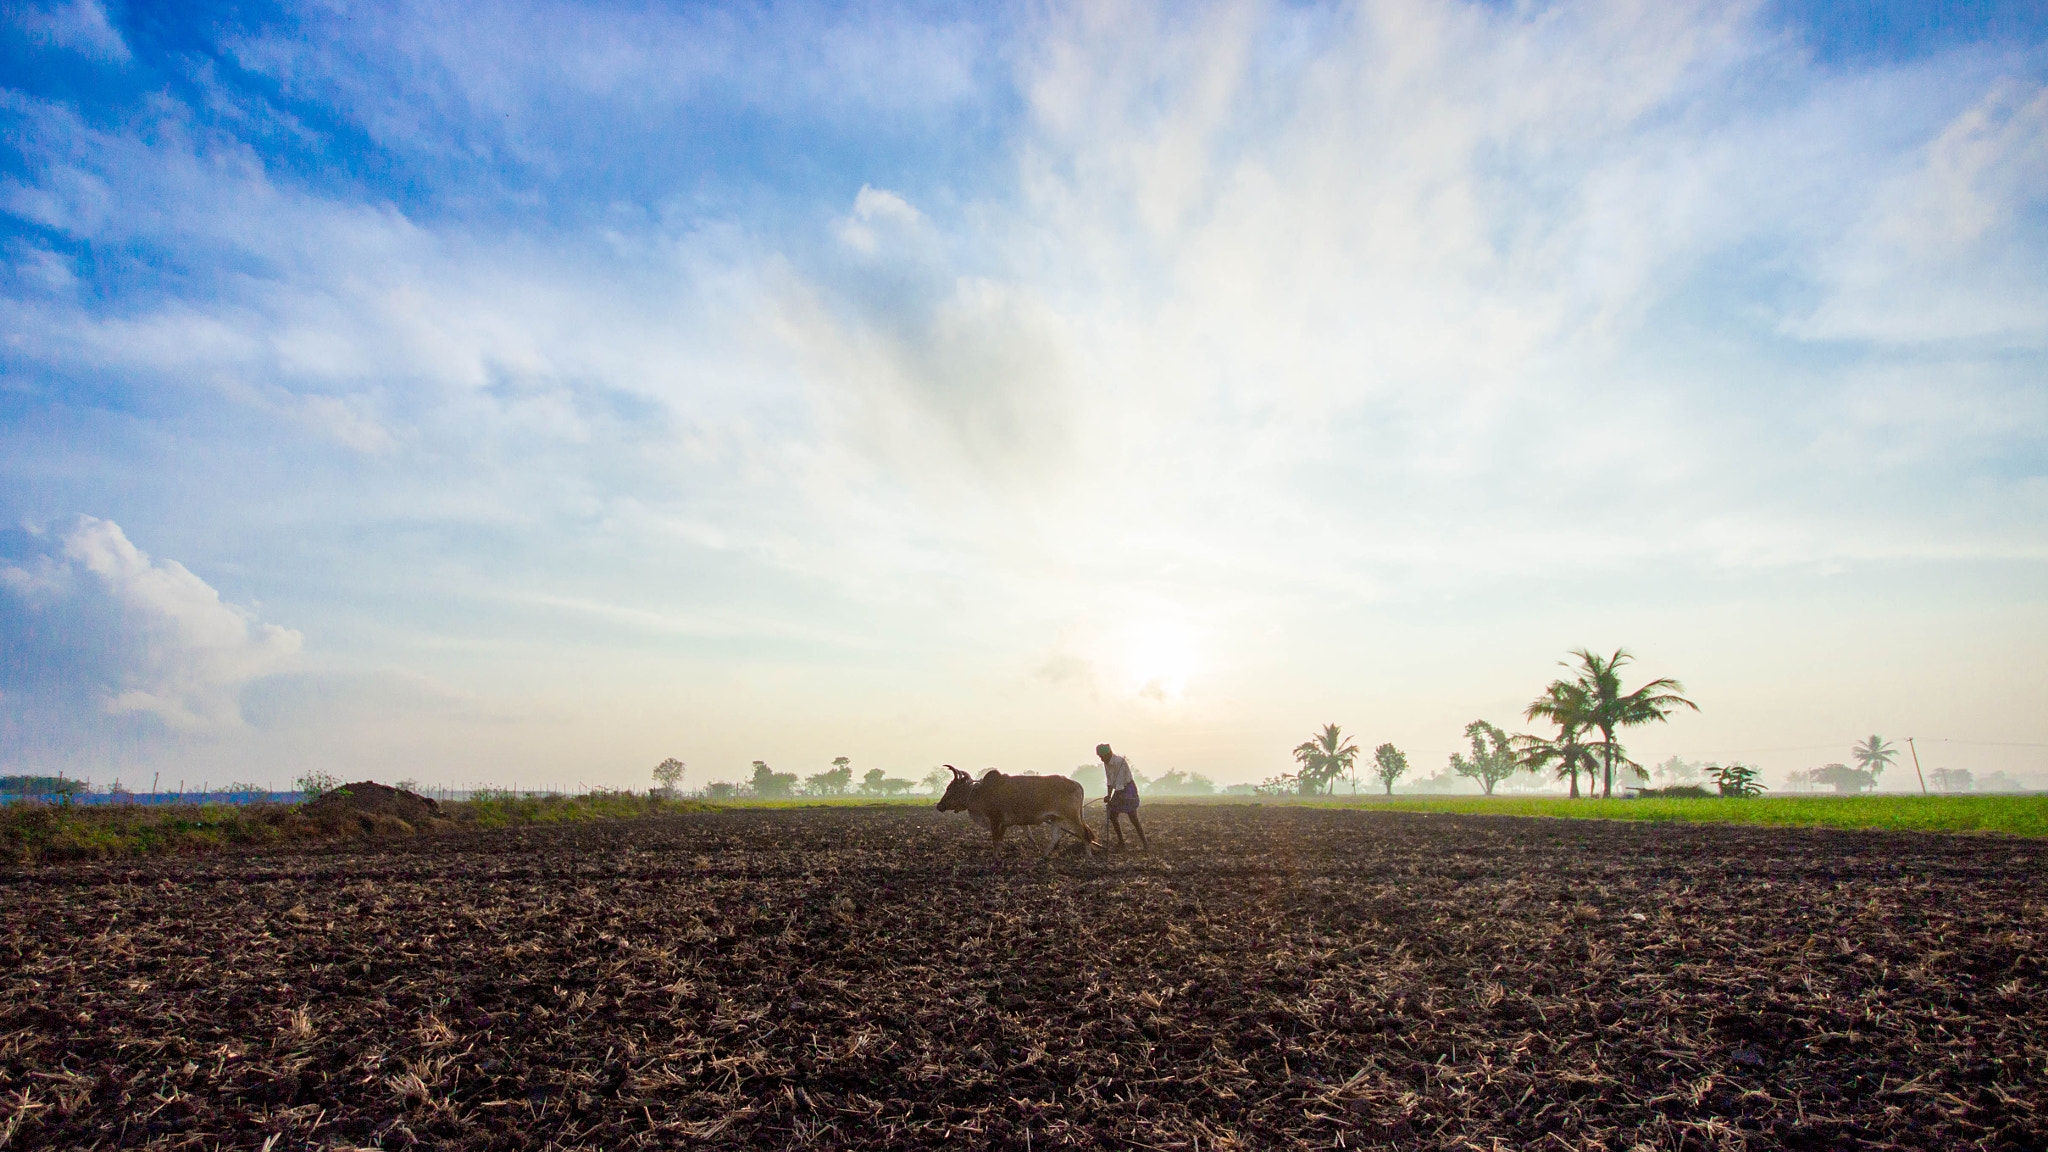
x,y
1588,709
767,784
837,781
1591,703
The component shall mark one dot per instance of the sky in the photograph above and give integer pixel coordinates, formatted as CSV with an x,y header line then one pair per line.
x,y
526,393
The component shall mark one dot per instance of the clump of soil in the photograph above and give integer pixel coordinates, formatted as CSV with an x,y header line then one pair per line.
x,y
376,810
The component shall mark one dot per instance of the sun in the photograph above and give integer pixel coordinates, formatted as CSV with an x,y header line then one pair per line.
x,y
1160,654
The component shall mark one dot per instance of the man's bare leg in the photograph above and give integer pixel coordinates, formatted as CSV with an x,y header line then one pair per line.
x,y
1143,844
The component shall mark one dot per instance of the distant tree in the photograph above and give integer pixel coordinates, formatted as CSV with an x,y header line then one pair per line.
x,y
1999,781
832,781
1175,782
1091,778
1952,779
1844,779
406,785
1675,771
41,786
1874,756
1388,763
936,780
877,783
1443,782
668,774
770,784
1612,708
1564,704
1325,758
720,790
1493,756
1607,707
1735,779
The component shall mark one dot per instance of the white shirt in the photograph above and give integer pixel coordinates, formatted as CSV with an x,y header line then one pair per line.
x,y
1117,773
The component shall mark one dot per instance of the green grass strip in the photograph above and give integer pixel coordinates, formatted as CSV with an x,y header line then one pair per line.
x,y
2012,815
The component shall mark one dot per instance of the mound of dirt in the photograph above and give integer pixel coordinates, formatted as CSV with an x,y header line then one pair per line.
x,y
372,809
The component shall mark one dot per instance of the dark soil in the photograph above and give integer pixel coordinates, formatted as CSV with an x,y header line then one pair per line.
x,y
373,809
1266,978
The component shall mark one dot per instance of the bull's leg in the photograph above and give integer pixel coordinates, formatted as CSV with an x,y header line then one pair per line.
x,y
1077,828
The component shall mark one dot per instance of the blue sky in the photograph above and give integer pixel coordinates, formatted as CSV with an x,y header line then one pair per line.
x,y
528,393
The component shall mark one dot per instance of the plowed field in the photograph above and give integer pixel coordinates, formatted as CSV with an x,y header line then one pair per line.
x,y
1265,978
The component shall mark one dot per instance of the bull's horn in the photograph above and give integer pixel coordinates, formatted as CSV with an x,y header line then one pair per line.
x,y
956,771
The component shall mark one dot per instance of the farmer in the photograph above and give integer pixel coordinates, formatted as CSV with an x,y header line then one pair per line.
x,y
1122,798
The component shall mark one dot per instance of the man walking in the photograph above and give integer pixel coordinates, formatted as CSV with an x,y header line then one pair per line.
x,y
1122,799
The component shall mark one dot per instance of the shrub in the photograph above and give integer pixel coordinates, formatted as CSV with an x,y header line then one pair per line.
x,y
313,783
1735,779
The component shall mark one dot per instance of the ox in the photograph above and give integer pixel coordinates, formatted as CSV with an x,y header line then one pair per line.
x,y
1000,802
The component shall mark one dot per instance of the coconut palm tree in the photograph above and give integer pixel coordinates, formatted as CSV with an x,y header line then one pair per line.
x,y
1565,705
1607,707
1330,755
1874,755
1567,756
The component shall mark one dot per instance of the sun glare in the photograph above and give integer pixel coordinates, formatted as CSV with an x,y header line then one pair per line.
x,y
1159,656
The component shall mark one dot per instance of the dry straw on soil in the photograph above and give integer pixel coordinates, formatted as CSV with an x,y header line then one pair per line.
x,y
862,978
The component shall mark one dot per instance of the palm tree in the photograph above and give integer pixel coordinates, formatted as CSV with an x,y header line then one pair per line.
x,y
1563,704
1330,755
1565,754
1874,755
1607,707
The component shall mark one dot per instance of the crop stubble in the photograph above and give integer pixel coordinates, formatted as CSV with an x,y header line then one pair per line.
x,y
863,977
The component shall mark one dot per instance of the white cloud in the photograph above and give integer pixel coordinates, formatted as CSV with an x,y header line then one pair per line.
x,y
1277,272
80,25
540,82
1951,248
153,637
873,209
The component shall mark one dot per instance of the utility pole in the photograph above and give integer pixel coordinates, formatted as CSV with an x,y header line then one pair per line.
x,y
1916,765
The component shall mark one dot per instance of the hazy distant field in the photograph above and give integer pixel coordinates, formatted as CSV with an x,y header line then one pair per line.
x,y
2013,815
